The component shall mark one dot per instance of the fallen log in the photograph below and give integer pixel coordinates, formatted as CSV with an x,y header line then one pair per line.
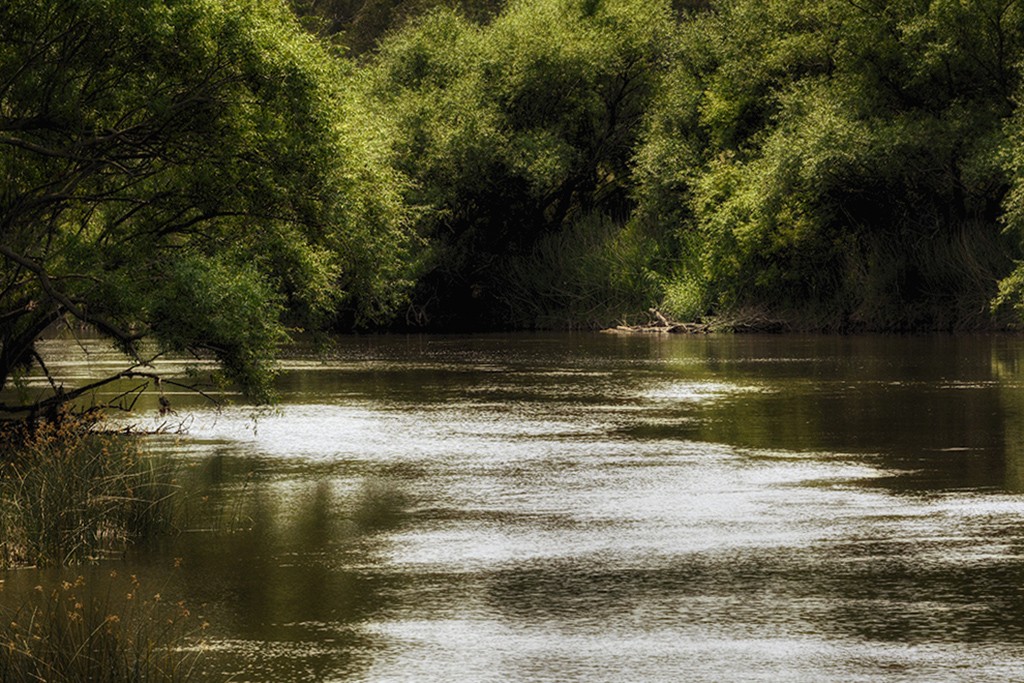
x,y
661,325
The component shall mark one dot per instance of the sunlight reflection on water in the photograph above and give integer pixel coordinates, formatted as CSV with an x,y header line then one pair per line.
x,y
575,508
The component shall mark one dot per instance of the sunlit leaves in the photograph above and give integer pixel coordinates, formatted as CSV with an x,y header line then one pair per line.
x,y
839,156
514,130
191,171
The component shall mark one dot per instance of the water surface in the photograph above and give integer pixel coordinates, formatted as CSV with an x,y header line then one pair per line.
x,y
604,508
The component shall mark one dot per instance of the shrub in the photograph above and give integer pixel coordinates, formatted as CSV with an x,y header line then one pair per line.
x,y
592,273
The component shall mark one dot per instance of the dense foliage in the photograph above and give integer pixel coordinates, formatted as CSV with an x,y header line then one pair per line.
x,y
185,172
518,138
211,175
358,25
843,161
823,163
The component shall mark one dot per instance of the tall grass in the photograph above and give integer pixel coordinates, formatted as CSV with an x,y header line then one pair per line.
x,y
593,273
921,276
70,492
115,632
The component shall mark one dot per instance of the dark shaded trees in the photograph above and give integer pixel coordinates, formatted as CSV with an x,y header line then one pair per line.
x,y
838,158
513,133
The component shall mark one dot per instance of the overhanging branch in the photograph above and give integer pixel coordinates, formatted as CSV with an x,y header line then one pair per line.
x,y
62,396
126,338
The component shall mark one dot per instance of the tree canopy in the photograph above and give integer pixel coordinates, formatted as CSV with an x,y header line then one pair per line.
x,y
845,159
208,176
835,164
183,175
513,132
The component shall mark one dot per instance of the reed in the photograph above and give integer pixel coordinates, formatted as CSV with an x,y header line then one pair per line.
x,y
114,632
591,274
70,492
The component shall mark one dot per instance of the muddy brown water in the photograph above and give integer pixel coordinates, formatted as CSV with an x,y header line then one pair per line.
x,y
589,507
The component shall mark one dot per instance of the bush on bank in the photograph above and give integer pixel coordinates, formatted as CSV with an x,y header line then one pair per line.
x,y
843,165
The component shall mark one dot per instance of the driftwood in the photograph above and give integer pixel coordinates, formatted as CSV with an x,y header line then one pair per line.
x,y
661,325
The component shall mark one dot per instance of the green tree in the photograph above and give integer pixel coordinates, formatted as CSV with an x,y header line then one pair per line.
x,y
514,132
184,175
359,25
838,159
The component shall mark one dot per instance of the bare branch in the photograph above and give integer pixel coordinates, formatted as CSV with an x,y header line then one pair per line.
x,y
19,310
63,396
39,149
46,371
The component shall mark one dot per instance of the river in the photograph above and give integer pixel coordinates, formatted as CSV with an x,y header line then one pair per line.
x,y
586,507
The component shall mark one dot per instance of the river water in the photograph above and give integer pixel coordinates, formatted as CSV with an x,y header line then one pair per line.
x,y
608,508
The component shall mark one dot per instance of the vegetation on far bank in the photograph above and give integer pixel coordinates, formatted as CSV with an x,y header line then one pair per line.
x,y
209,177
829,164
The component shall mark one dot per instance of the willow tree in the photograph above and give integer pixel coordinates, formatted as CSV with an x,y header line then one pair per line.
x,y
182,175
